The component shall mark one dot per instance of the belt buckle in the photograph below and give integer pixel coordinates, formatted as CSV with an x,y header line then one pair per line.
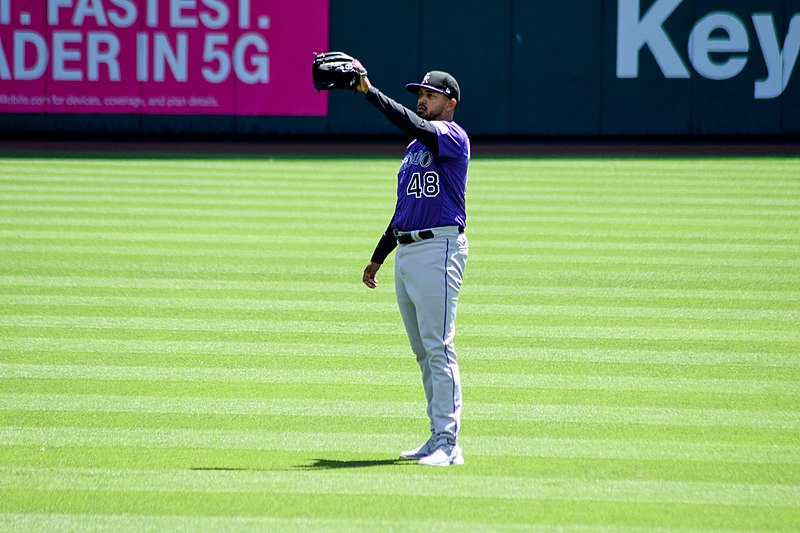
x,y
407,237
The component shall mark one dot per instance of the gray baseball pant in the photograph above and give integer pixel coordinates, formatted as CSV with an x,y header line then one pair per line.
x,y
428,275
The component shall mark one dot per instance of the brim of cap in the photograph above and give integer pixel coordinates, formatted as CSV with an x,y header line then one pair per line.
x,y
415,87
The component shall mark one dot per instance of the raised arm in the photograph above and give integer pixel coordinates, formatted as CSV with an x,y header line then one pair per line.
x,y
401,116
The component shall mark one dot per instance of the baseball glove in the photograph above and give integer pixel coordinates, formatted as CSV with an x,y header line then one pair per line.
x,y
336,70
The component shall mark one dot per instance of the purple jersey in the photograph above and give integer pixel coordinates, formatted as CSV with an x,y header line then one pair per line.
x,y
431,189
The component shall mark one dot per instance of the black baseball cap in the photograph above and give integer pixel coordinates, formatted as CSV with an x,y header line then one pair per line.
x,y
438,81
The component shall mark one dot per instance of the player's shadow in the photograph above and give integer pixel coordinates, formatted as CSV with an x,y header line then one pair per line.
x,y
334,464
226,469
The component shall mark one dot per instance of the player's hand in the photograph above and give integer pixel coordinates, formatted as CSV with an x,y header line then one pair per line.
x,y
370,272
363,85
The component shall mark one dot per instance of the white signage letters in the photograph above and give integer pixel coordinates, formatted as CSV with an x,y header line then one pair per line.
x,y
702,45
75,54
780,64
636,31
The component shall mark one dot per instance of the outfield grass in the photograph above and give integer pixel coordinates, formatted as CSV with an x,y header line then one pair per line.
x,y
185,344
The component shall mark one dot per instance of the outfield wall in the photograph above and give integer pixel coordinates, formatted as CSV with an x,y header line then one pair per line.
x,y
527,67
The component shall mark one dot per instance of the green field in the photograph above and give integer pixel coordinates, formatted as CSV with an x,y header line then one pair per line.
x,y
185,344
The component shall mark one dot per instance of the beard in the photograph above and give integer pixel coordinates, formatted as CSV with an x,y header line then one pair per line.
x,y
424,112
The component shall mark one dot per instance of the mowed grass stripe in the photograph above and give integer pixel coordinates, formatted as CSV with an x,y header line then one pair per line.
x,y
645,244
10,282
531,488
174,521
609,171
116,521
134,228
371,210
354,377
184,353
186,171
291,195
611,468
405,392
310,198
338,181
113,185
541,254
382,408
219,251
35,228
564,267
555,218
765,352
481,219
142,305
505,514
385,444
262,326
164,244
659,367
176,181
114,190
758,279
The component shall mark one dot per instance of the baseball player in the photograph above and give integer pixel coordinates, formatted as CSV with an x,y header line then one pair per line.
x,y
428,231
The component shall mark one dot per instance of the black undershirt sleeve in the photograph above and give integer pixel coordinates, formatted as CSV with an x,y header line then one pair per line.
x,y
417,127
385,246
405,119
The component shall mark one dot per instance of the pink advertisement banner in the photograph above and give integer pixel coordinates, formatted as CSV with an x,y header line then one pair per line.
x,y
197,57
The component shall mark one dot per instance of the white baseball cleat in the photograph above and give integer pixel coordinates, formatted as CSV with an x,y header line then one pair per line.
x,y
422,451
445,455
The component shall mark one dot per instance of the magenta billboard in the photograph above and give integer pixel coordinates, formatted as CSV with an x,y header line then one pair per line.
x,y
175,57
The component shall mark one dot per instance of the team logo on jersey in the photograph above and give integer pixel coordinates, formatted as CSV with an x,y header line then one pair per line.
x,y
422,158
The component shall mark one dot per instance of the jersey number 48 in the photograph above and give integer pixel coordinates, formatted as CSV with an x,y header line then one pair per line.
x,y
427,185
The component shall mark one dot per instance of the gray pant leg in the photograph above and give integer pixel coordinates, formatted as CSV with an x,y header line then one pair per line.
x,y
409,314
430,274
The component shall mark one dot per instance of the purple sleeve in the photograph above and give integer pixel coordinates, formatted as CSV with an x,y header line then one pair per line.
x,y
452,139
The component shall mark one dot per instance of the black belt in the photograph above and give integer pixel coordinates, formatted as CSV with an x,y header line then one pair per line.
x,y
407,238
